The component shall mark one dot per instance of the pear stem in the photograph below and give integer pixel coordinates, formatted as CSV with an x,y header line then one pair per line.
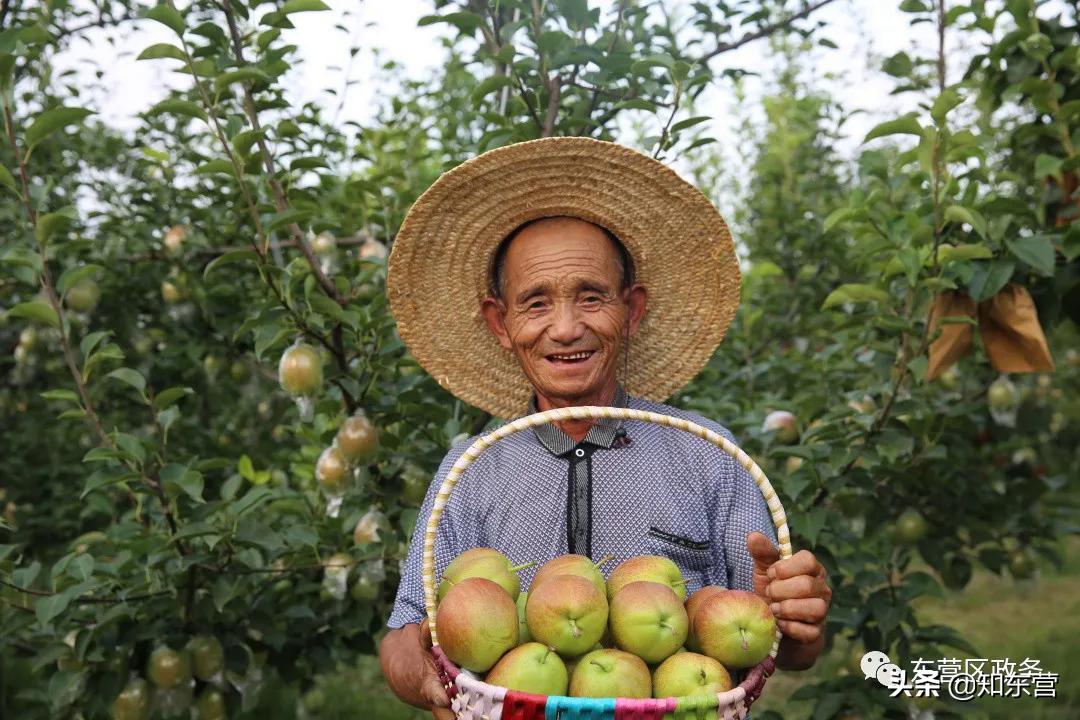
x,y
742,638
523,566
681,581
574,627
604,560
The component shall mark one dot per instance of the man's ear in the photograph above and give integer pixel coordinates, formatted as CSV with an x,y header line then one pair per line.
x,y
636,298
493,311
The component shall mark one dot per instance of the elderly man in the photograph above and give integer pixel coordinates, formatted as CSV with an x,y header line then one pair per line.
x,y
567,272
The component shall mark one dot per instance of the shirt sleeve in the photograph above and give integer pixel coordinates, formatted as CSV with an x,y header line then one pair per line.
x,y
409,603
742,509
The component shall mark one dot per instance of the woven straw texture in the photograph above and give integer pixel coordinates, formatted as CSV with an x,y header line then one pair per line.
x,y
474,699
441,261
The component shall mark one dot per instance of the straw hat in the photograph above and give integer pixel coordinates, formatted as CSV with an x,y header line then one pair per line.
x,y
441,259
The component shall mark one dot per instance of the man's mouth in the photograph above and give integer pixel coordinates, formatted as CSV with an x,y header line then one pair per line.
x,y
570,358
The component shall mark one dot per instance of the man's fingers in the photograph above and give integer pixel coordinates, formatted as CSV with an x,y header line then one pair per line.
x,y
811,610
434,692
763,552
803,586
801,563
442,714
799,631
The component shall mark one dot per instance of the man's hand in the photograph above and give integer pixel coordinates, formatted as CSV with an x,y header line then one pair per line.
x,y
409,669
799,597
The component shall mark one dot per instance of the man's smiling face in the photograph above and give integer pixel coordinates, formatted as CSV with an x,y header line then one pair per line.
x,y
563,311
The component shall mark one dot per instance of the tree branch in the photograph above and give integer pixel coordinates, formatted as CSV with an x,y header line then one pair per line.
x,y
554,93
280,201
764,31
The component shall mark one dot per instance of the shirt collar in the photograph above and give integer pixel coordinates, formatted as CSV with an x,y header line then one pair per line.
x,y
601,434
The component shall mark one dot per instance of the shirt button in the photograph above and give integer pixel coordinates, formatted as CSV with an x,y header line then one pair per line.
x,y
579,452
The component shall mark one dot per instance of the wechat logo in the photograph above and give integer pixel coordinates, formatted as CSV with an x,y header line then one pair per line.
x,y
876,664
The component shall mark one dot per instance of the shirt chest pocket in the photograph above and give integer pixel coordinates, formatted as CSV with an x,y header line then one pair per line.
x,y
685,552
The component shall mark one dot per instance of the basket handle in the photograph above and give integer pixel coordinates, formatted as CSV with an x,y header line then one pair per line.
x,y
586,412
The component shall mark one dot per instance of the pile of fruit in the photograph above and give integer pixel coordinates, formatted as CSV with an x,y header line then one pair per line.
x,y
634,635
172,675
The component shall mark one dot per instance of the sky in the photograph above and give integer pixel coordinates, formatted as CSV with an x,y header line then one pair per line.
x,y
865,31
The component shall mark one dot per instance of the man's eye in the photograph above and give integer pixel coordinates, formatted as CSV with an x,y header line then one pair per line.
x,y
535,305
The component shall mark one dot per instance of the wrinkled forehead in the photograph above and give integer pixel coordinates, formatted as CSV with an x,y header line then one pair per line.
x,y
556,245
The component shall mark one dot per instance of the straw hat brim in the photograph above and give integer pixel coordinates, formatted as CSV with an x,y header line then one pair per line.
x,y
441,258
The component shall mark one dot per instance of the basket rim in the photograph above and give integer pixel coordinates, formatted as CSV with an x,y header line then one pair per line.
x,y
746,692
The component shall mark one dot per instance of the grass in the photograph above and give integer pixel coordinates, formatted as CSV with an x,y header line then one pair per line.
x,y
1002,618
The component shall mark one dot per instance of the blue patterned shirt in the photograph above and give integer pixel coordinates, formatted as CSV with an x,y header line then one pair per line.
x,y
630,488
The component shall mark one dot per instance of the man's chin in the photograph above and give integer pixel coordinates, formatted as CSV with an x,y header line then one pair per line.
x,y
569,393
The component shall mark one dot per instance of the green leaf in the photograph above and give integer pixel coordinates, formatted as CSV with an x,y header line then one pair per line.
x,y
233,256
129,377
946,101
836,217
1048,165
252,498
188,481
286,217
220,165
899,65
74,275
167,16
989,278
907,125
51,224
490,85
81,567
855,293
8,180
636,104
52,121
175,106
689,122
969,251
245,468
308,163
244,140
466,22
295,6
91,341
168,396
244,74
36,310
61,395
48,607
162,51
958,214
1037,251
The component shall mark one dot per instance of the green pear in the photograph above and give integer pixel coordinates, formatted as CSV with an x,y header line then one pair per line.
x,y
651,568
572,663
687,673
567,613
531,668
486,563
648,620
570,565
692,604
611,673
524,635
477,622
735,627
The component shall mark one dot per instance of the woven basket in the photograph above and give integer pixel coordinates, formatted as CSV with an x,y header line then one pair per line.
x,y
473,699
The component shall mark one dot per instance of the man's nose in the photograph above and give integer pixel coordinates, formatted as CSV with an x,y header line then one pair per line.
x,y
566,325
